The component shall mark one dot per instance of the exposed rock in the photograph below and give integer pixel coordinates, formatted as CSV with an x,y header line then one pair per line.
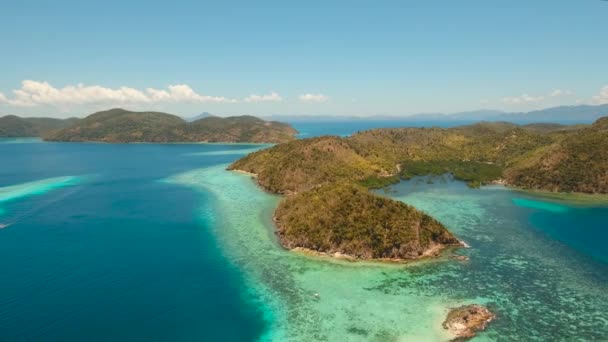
x,y
460,257
466,321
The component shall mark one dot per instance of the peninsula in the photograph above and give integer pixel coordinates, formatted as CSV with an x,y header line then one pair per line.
x,y
330,209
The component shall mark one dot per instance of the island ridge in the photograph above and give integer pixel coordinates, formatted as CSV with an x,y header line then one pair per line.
x,y
330,209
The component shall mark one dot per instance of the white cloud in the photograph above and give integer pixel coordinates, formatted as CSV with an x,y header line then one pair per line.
x,y
2,98
524,98
272,97
313,98
560,92
602,97
34,93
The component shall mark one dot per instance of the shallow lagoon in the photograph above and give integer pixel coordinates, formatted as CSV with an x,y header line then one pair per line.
x,y
540,288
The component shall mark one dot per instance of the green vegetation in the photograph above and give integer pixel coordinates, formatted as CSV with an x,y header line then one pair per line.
x,y
376,182
347,218
375,158
576,163
122,126
12,126
543,157
330,210
474,173
302,164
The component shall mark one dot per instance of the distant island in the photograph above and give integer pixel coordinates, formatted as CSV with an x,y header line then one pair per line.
x,y
331,210
123,126
12,126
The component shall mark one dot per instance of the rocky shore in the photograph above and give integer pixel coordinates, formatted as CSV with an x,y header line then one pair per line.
x,y
464,322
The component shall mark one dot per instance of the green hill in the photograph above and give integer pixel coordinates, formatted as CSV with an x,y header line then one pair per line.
x,y
477,154
576,163
348,219
543,157
12,126
329,210
122,126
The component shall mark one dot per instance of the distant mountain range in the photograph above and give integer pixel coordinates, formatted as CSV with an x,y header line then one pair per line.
x,y
248,128
199,116
563,114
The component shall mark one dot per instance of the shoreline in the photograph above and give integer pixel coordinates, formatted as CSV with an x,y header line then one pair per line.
x,y
254,175
269,144
571,197
435,253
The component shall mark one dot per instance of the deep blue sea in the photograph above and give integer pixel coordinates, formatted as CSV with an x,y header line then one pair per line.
x,y
97,245
117,254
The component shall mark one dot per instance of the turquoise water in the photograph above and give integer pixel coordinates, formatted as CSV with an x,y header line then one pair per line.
x,y
159,242
583,227
541,205
542,265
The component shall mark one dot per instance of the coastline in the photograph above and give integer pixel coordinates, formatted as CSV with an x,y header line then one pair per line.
x,y
310,297
437,252
581,198
269,144
570,197
296,305
254,175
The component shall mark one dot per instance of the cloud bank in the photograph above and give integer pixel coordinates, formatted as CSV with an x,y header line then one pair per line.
x,y
272,97
313,98
526,98
602,97
560,92
34,93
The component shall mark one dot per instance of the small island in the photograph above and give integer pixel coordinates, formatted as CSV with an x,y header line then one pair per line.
x,y
464,322
330,208
347,220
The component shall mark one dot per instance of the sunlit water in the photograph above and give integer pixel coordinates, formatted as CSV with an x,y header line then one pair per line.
x,y
159,242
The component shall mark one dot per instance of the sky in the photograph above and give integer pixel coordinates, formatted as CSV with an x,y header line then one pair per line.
x,y
71,58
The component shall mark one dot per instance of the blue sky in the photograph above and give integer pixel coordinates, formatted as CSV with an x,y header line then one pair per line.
x,y
62,58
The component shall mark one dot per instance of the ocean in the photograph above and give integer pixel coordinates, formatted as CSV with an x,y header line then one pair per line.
x,y
122,242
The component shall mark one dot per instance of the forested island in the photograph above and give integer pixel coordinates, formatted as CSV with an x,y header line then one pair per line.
x,y
12,126
123,126
330,208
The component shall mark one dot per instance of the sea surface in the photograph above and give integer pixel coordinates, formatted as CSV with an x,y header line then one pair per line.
x,y
314,128
158,242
